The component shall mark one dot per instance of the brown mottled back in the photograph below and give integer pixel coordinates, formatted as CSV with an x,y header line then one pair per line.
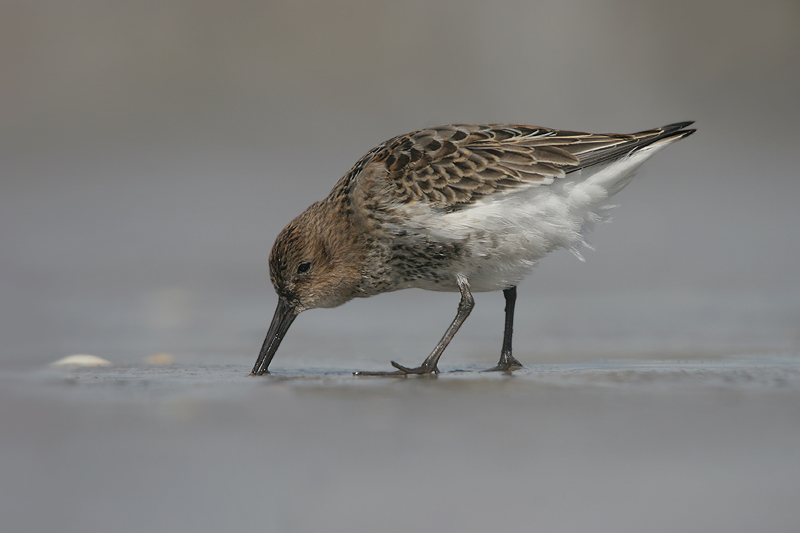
x,y
454,165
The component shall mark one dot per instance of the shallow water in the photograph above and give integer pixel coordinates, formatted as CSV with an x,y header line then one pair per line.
x,y
602,445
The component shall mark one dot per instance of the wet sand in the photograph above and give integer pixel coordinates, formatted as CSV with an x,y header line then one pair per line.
x,y
628,445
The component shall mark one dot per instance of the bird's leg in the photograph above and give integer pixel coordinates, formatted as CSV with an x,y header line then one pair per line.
x,y
428,366
464,308
507,361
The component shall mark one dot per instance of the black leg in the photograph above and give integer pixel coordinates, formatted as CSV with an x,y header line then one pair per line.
x,y
507,361
429,365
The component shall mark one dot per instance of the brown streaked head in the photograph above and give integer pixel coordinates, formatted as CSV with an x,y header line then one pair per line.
x,y
315,262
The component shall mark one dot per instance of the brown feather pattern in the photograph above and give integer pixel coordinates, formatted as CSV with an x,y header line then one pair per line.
x,y
457,164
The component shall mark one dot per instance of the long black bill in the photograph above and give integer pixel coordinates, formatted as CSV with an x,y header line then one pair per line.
x,y
284,316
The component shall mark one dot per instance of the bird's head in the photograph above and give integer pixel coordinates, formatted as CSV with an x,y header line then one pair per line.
x,y
316,261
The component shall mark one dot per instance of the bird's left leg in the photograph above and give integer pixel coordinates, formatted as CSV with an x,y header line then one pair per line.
x,y
507,361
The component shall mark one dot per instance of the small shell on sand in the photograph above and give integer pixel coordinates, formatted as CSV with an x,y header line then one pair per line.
x,y
160,359
81,360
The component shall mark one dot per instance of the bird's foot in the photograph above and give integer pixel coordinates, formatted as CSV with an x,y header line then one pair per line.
x,y
420,370
507,364
403,371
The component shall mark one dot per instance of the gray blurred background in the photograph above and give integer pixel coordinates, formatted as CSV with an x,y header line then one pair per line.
x,y
151,151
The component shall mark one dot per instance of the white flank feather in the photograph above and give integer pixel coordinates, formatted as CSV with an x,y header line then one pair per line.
x,y
508,232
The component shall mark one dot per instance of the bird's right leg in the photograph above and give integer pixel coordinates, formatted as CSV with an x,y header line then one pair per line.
x,y
428,366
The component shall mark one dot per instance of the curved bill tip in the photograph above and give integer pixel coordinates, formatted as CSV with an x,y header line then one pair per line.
x,y
284,316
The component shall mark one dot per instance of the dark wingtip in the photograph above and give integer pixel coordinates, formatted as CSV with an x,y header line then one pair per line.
x,y
677,126
676,131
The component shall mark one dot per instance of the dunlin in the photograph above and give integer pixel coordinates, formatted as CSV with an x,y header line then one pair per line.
x,y
460,208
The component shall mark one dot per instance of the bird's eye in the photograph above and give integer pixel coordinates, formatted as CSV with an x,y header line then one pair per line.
x,y
303,267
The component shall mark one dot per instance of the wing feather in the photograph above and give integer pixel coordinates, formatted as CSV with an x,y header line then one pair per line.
x,y
457,164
